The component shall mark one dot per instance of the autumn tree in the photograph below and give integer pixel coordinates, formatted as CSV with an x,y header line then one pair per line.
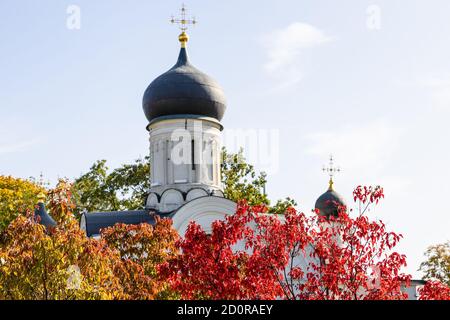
x,y
253,255
350,258
143,248
437,264
62,263
209,267
16,195
56,263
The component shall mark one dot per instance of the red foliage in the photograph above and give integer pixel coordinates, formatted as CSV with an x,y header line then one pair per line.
x,y
434,290
254,255
209,268
142,248
368,194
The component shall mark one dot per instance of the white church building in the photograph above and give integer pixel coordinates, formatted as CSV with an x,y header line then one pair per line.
x,y
184,108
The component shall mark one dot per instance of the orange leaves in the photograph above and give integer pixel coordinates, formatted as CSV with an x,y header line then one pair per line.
x,y
61,204
37,264
143,248
62,263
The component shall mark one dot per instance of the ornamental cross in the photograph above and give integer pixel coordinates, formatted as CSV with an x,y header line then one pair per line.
x,y
183,22
331,170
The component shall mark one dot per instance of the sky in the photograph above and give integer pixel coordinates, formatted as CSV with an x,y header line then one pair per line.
x,y
366,81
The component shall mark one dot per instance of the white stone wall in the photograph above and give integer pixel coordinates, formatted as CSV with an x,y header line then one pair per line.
x,y
204,211
184,160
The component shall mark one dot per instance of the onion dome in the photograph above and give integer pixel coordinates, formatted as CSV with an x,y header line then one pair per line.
x,y
184,91
329,203
40,213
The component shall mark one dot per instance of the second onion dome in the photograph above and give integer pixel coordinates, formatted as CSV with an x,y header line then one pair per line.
x,y
329,203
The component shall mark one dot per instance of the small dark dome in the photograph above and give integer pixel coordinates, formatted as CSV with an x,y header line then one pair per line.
x,y
43,217
329,203
184,90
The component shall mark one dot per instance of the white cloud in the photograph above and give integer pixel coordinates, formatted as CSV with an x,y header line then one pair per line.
x,y
362,148
17,146
15,138
439,91
285,47
369,154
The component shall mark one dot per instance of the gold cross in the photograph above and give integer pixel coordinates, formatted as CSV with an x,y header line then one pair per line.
x,y
183,22
331,170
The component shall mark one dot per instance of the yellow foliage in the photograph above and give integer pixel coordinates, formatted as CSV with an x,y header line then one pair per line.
x,y
16,196
61,263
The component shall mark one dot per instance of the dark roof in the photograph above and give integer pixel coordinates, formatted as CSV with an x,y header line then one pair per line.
x,y
93,222
40,213
184,90
417,282
329,203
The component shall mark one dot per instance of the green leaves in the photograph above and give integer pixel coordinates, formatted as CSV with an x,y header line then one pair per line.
x,y
126,187
241,181
123,188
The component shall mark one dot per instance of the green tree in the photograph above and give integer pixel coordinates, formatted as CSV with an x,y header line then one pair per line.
x,y
437,265
240,180
282,205
125,188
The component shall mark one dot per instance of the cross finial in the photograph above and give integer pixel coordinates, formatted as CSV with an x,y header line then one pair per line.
x,y
41,179
41,196
183,24
331,170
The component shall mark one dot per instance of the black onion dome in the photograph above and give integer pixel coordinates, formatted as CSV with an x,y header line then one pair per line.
x,y
329,203
43,217
184,90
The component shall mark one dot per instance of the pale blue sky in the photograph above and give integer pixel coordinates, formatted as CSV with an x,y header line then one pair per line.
x,y
379,100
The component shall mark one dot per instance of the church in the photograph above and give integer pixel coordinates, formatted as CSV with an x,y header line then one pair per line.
x,y
184,108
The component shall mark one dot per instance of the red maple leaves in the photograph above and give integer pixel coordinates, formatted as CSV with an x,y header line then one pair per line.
x,y
434,290
249,255
254,255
